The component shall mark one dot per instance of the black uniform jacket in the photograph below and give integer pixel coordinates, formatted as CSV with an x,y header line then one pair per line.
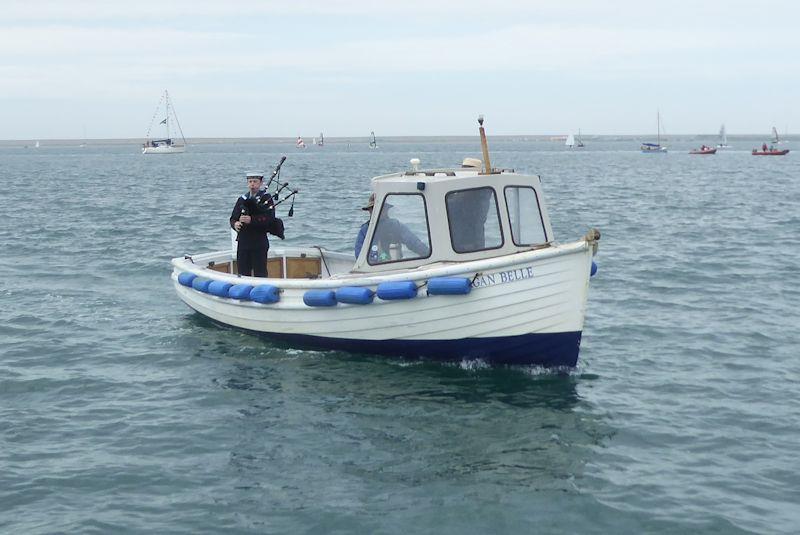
x,y
262,212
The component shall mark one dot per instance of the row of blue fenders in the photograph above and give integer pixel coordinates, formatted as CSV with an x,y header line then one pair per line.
x,y
354,295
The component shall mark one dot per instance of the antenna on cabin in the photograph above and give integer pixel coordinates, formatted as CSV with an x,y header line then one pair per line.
x,y
487,165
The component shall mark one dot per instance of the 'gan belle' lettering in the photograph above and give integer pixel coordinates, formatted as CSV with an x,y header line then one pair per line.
x,y
502,277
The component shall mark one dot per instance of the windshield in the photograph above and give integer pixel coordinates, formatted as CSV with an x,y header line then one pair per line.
x,y
402,230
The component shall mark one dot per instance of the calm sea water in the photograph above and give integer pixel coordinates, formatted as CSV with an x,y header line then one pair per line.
x,y
122,411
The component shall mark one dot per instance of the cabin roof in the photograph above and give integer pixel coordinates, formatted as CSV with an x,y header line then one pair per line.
x,y
437,174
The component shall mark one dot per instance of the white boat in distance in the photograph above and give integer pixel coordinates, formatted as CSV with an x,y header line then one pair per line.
x,y
657,147
723,138
167,144
456,263
579,140
570,142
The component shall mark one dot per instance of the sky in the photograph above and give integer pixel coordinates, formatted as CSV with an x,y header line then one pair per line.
x,y
262,68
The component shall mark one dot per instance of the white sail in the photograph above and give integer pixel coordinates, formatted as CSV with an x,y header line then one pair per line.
x,y
373,143
775,138
723,138
570,141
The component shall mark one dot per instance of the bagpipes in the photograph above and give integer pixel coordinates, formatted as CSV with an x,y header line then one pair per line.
x,y
266,202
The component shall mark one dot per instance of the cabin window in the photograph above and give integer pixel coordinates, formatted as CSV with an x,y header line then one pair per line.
x,y
402,231
527,225
474,220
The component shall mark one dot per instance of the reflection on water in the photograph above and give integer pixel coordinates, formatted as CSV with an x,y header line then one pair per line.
x,y
343,424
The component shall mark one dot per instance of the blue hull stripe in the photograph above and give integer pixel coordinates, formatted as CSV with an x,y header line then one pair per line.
x,y
540,349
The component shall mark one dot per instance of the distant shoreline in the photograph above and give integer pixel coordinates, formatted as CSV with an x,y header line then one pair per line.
x,y
383,139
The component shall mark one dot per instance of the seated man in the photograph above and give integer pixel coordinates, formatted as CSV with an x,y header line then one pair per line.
x,y
389,232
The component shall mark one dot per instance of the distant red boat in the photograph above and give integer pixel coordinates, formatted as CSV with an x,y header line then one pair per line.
x,y
703,150
773,152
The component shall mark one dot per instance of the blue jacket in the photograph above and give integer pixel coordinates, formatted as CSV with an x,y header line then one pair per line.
x,y
362,233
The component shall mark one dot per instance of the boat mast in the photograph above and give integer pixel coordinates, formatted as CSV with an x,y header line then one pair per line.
x,y
166,120
658,128
487,165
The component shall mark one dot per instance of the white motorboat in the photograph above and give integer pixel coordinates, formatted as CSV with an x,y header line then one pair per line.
x,y
456,263
167,144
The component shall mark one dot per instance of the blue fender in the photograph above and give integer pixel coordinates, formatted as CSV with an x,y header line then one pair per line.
x,y
200,284
240,291
265,293
186,278
449,286
355,295
389,291
219,288
320,298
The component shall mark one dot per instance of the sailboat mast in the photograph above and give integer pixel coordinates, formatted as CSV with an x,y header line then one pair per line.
x,y
658,127
166,123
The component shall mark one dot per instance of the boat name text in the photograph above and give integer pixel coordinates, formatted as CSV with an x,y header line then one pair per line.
x,y
502,277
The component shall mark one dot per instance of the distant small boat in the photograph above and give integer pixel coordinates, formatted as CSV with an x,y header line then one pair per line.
x,y
770,152
656,147
37,145
703,150
373,143
321,141
723,138
570,142
165,145
579,140
300,144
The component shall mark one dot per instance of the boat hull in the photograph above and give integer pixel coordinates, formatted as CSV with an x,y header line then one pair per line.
x,y
770,152
703,152
540,349
526,308
172,149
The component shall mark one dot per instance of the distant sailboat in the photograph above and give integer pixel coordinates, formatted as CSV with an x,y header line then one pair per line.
x,y
776,140
373,143
300,144
649,148
37,144
579,143
570,141
723,138
321,141
165,145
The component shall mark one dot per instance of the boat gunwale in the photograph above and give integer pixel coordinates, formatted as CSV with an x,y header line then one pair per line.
x,y
186,264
